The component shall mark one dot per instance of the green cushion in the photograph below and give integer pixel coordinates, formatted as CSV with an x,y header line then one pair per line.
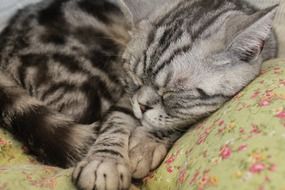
x,y
240,146
23,172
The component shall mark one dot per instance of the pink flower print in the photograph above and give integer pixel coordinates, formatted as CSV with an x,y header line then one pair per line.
x,y
182,176
242,147
269,93
203,137
169,169
267,98
257,168
225,152
170,159
222,122
255,129
195,177
255,95
282,82
277,70
281,115
267,179
242,131
2,142
221,130
272,168
261,187
264,103
205,181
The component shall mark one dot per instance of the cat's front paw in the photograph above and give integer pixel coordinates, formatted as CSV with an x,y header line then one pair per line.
x,y
101,173
145,153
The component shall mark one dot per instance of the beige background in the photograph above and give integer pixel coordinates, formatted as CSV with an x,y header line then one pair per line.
x,y
8,7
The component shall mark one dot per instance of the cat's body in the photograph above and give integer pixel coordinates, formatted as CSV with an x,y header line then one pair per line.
x,y
73,48
67,58
66,64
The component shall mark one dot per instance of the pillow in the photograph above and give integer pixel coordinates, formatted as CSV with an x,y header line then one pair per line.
x,y
241,146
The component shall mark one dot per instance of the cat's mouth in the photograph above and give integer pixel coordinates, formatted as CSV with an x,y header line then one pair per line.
x,y
147,124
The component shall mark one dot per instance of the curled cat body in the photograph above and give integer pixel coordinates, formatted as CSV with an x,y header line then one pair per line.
x,y
108,86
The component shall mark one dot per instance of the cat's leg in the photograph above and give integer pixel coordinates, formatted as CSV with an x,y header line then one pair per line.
x,y
52,136
106,166
148,148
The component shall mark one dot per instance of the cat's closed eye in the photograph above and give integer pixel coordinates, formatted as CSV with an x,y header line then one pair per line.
x,y
202,93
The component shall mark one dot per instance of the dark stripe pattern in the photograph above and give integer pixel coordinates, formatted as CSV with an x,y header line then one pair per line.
x,y
67,64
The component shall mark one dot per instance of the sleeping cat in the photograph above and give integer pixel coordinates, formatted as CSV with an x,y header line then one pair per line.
x,y
113,84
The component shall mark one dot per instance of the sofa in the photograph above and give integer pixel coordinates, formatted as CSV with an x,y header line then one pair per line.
x,y
241,146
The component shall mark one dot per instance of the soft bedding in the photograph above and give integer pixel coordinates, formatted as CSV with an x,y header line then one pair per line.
x,y
240,146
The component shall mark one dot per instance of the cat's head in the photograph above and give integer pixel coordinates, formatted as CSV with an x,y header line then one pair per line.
x,y
187,60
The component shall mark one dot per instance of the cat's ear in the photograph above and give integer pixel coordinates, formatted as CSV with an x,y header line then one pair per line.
x,y
249,42
140,9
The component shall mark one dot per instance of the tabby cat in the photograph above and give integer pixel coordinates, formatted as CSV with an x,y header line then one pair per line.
x,y
113,84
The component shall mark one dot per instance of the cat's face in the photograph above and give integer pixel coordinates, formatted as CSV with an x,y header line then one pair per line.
x,y
179,79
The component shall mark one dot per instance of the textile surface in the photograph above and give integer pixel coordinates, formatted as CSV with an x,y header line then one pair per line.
x,y
241,145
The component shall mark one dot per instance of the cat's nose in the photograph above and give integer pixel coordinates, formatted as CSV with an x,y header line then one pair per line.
x,y
144,108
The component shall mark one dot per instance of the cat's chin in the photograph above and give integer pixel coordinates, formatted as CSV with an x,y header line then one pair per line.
x,y
150,125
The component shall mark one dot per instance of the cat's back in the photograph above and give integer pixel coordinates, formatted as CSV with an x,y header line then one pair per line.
x,y
66,52
65,23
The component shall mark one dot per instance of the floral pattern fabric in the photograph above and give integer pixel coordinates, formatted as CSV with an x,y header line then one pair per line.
x,y
19,171
241,146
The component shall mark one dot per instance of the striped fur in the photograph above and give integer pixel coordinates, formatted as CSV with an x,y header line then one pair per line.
x,y
74,85
187,46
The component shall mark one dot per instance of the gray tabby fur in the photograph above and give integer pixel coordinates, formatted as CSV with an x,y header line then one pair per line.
x,y
75,86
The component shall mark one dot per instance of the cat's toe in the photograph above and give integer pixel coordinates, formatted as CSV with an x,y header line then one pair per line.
x,y
102,174
84,175
158,155
145,157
